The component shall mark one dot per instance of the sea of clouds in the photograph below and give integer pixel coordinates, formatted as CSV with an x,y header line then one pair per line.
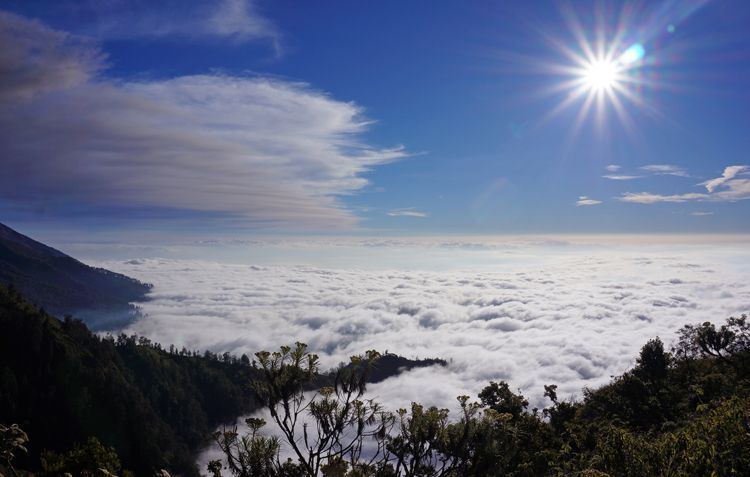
x,y
530,313
572,313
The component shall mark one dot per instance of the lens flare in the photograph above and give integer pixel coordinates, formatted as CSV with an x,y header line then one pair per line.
x,y
635,53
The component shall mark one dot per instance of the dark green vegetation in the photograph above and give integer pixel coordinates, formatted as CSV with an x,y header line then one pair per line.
x,y
151,408
63,285
685,413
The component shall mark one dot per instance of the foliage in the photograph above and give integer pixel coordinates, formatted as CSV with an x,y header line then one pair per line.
x,y
155,406
685,413
62,384
251,454
13,441
340,418
89,459
714,443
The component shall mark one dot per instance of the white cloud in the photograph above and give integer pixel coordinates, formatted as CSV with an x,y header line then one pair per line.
x,y
583,200
648,198
407,212
666,169
729,173
733,190
572,317
616,177
259,151
613,168
701,214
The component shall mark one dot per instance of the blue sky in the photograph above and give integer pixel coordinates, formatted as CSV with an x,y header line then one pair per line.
x,y
236,117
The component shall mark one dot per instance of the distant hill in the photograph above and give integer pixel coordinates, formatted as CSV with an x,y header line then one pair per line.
x,y
63,285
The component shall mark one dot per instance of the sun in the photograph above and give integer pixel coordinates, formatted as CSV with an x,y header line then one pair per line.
x,y
600,76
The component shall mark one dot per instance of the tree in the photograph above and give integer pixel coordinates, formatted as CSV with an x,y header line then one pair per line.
x,y
653,361
325,427
248,455
89,459
498,397
13,441
730,343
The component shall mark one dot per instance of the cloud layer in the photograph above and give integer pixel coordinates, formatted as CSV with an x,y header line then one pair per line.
x,y
574,317
257,150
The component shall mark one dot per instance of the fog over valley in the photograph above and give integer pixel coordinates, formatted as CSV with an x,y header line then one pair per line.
x,y
529,312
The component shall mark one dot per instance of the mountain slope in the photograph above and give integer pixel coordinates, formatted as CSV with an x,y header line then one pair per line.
x,y
63,285
157,407
63,384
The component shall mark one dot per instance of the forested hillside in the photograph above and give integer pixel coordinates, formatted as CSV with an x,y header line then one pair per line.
x,y
63,285
156,407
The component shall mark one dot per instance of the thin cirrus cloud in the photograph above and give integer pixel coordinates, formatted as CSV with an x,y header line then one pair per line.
x,y
584,200
236,20
407,212
256,150
727,188
665,169
613,168
620,177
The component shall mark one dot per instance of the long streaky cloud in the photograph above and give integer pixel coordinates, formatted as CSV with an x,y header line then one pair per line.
x,y
252,150
409,212
616,177
584,200
665,169
648,198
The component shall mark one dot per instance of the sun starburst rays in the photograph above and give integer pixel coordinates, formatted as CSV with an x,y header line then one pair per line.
x,y
603,72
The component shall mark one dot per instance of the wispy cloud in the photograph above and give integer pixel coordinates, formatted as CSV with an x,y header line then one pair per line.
x,y
584,200
613,168
236,20
260,151
665,169
701,214
729,173
649,198
407,212
616,177
732,190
